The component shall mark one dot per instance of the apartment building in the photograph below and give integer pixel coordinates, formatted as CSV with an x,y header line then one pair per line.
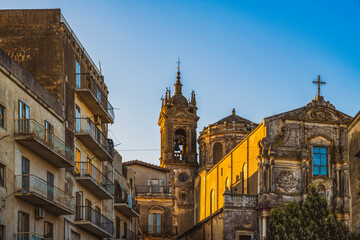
x,y
74,120
33,157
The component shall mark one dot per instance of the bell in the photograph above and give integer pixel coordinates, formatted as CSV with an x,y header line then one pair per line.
x,y
177,148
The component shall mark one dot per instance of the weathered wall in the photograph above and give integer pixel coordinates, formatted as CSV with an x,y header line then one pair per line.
x,y
34,40
354,168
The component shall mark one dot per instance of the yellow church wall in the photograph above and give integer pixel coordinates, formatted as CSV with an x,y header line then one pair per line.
x,y
230,167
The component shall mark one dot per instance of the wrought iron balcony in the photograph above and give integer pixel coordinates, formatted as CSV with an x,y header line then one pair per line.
x,y
93,179
94,139
37,191
30,236
125,234
88,90
152,189
94,222
34,136
154,230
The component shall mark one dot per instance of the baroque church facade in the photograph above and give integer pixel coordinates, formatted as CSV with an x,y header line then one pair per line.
x,y
246,169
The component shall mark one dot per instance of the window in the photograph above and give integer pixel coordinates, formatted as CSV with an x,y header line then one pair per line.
x,y
117,227
23,224
50,186
79,210
48,230
78,161
24,116
227,183
77,116
49,133
183,196
212,201
77,74
125,230
2,116
154,223
98,95
24,110
2,175
319,161
25,170
217,152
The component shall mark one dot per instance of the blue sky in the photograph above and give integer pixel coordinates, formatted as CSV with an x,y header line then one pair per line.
x,y
259,57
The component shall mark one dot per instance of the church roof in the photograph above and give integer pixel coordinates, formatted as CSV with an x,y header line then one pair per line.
x,y
179,99
233,118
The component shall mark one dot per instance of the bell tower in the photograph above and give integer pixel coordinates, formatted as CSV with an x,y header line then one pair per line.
x,y
178,123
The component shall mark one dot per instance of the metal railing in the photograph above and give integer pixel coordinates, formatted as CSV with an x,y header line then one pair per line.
x,y
152,189
126,234
29,183
87,82
85,125
30,127
151,229
86,169
86,213
30,236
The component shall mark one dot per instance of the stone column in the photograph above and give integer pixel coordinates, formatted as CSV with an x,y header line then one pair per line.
x,y
272,175
260,173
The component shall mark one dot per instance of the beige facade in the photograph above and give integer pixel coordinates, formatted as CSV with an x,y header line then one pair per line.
x,y
65,102
156,200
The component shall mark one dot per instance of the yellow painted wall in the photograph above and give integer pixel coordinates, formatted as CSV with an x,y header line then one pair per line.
x,y
230,166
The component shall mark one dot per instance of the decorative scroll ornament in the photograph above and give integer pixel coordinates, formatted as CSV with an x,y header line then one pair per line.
x,y
286,181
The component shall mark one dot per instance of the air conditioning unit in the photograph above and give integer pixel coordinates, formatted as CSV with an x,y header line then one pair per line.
x,y
97,120
39,213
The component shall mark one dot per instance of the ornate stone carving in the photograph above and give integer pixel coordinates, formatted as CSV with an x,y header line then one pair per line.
x,y
287,180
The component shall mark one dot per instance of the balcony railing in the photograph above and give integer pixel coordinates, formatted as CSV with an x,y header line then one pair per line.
x,y
94,221
29,132
98,182
91,135
30,236
88,84
125,234
155,230
240,200
41,193
152,189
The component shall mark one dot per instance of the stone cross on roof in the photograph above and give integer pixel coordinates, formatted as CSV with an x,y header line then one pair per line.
x,y
319,83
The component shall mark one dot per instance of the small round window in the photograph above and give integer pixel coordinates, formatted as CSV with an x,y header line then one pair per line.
x,y
183,177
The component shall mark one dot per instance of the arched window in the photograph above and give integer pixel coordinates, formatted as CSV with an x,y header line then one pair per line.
x,y
244,179
217,152
227,183
180,145
155,219
212,201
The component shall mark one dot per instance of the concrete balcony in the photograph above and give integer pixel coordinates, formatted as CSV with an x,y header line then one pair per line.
x,y
30,236
38,192
90,135
96,101
94,222
34,136
128,208
94,180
